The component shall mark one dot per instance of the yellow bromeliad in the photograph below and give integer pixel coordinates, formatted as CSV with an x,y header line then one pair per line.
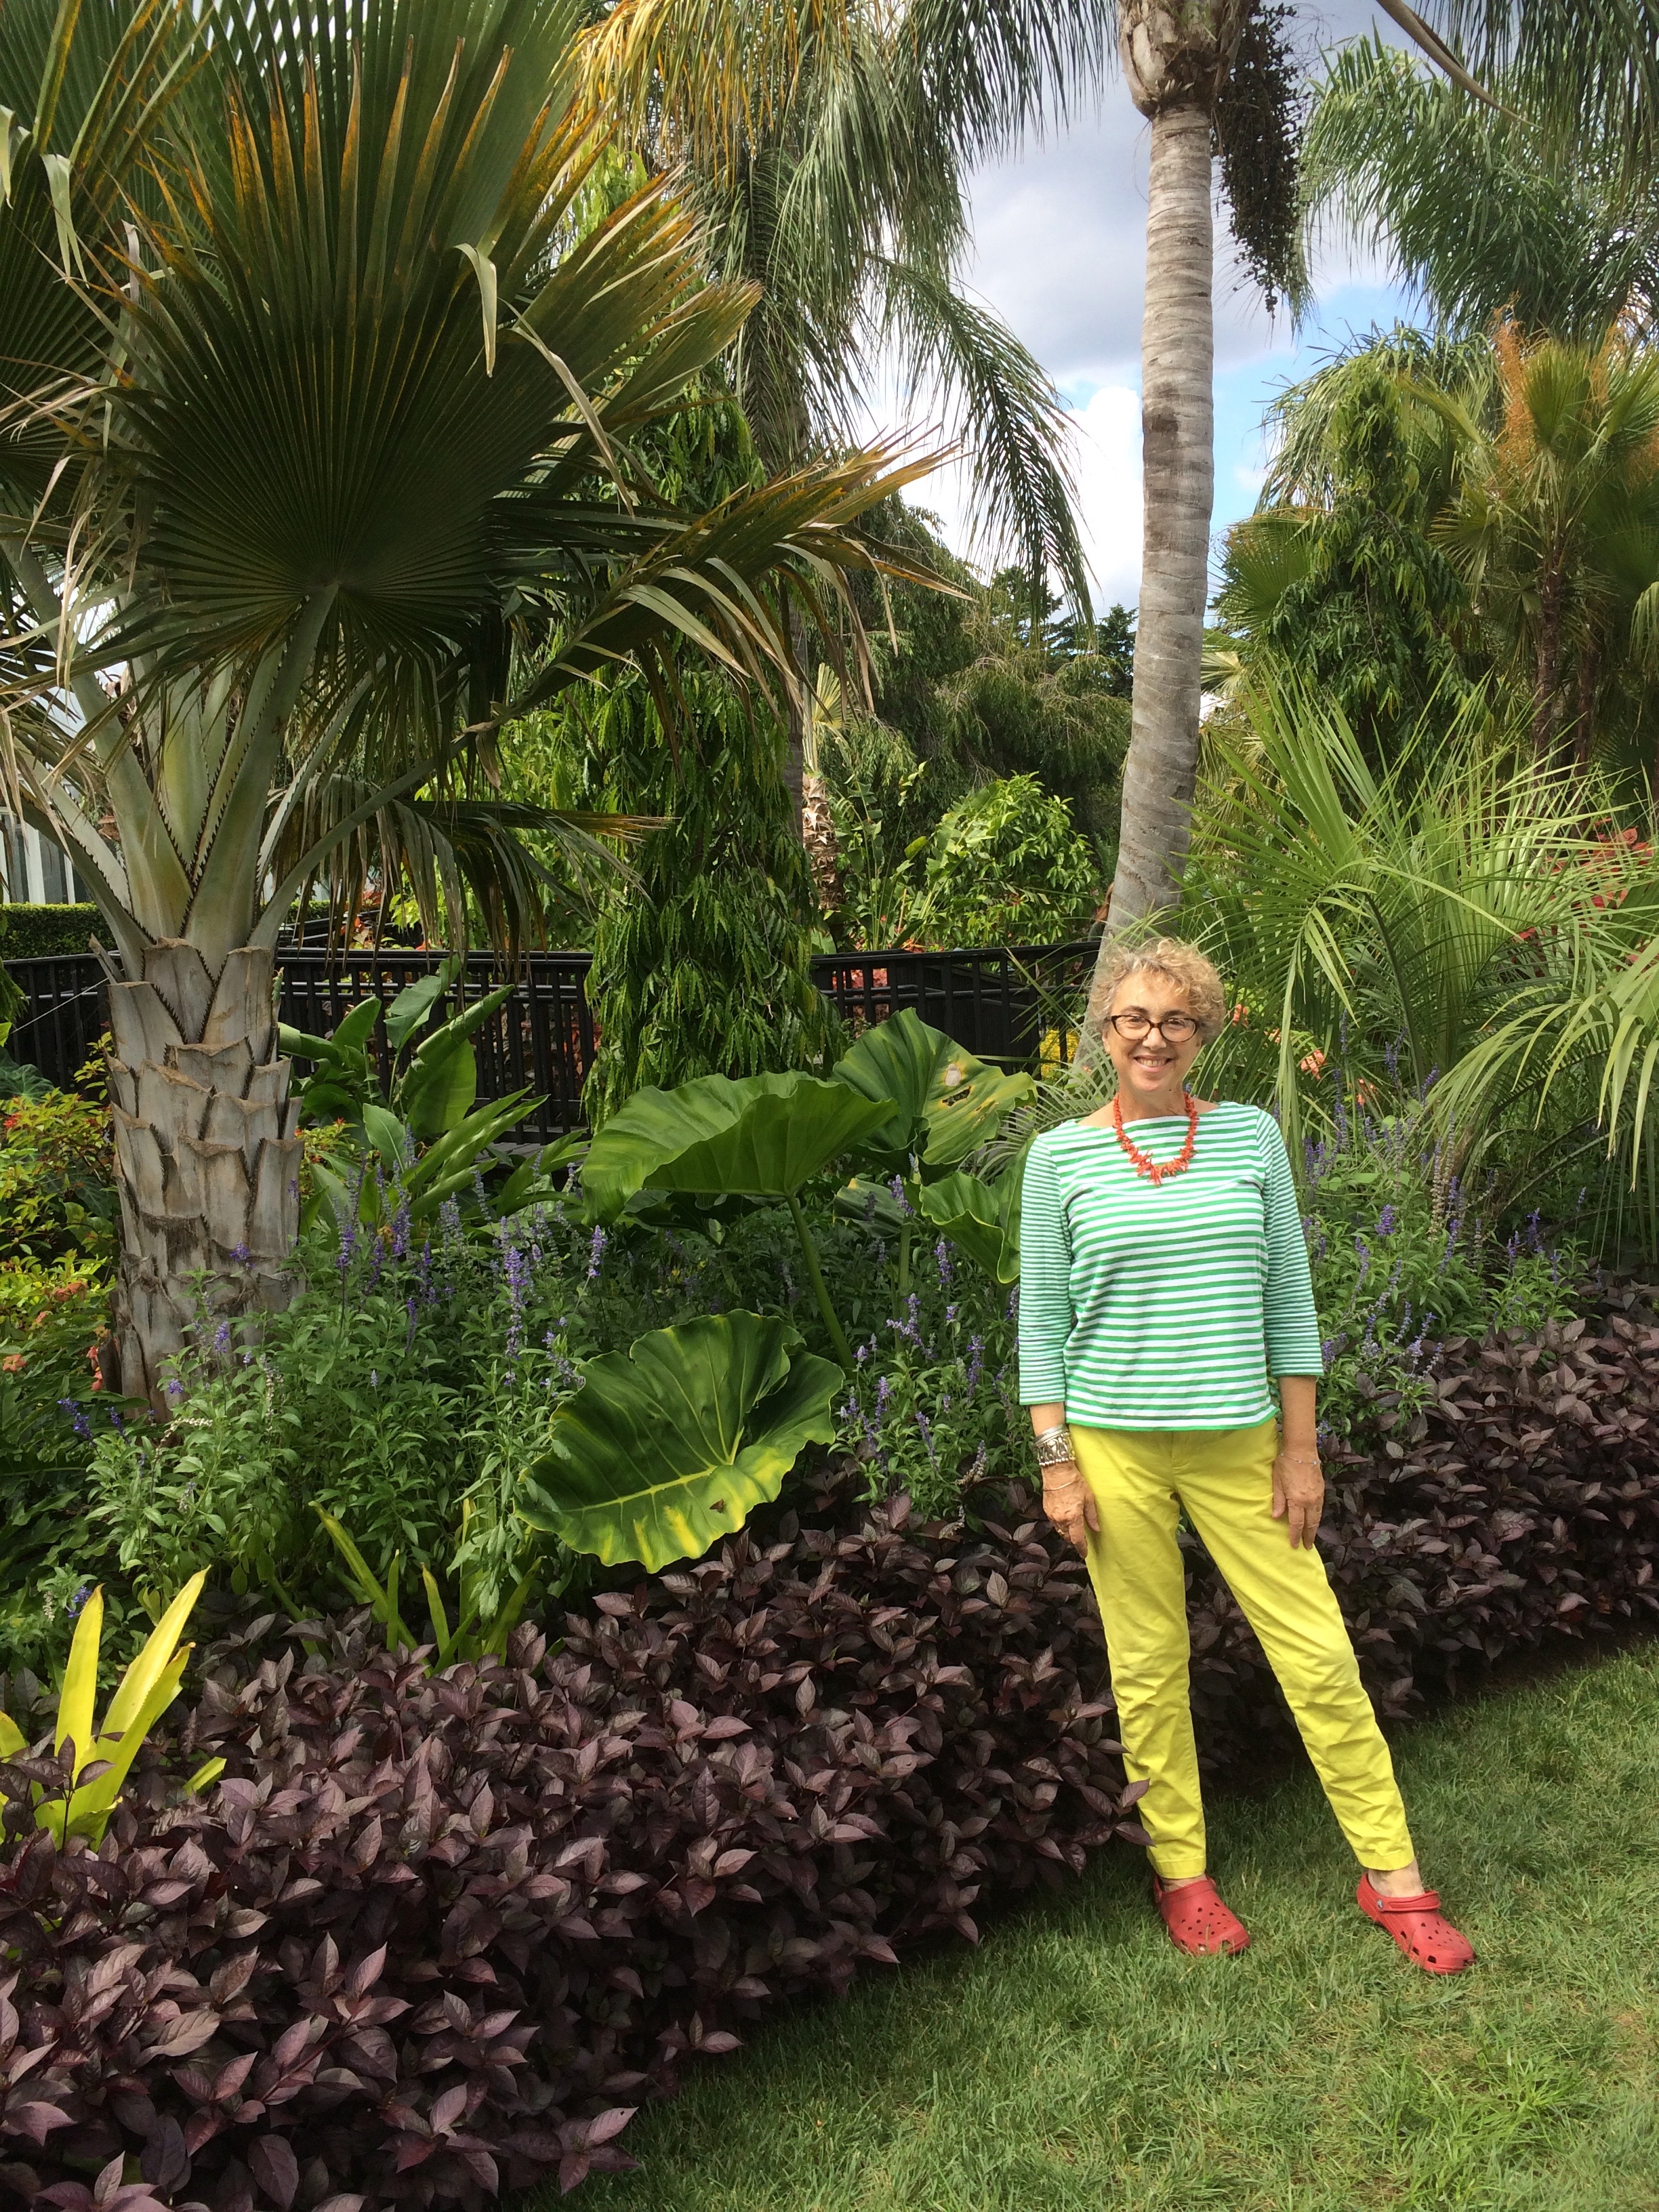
x,y
147,1688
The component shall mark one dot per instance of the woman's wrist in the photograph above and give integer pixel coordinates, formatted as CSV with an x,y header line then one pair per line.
x,y
1054,1447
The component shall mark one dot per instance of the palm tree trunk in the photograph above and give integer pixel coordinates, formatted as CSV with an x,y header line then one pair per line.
x,y
207,1153
1175,55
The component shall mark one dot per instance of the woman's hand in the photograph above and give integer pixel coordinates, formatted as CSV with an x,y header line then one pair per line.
x,y
1069,1504
1299,1495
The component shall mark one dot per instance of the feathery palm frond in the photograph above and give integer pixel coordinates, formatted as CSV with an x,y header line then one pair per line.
x,y
822,178
1586,70
1476,215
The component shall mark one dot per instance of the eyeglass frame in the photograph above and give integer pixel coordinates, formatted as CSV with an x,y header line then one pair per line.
x,y
1175,1015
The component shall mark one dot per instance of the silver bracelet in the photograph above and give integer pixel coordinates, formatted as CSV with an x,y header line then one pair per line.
x,y
1054,1446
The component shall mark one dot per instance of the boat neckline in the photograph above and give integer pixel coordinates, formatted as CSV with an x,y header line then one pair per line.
x,y
1107,1129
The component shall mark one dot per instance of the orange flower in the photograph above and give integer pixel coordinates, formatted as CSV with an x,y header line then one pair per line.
x,y
14,1363
1315,1063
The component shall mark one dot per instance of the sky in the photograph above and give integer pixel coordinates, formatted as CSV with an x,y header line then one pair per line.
x,y
1060,252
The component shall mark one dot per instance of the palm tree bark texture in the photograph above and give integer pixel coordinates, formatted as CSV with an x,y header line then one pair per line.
x,y
1175,56
208,1143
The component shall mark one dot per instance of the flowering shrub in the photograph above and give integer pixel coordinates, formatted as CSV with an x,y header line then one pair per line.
x,y
413,1379
939,1414
431,1939
1402,1261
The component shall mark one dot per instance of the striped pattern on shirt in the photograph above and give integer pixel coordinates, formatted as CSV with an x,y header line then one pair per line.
x,y
1166,1306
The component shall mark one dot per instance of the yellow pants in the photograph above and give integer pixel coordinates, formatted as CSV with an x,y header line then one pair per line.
x,y
1224,1477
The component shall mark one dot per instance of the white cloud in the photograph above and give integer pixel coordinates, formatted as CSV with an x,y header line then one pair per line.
x,y
1109,491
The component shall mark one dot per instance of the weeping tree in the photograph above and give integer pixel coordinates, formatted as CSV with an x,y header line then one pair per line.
x,y
318,392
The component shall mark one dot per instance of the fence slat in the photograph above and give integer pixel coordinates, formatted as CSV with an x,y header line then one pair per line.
x,y
998,1003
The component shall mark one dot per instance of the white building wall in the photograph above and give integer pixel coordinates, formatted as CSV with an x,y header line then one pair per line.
x,y
33,870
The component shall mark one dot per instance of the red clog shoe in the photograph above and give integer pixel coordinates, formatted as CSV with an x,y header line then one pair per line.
x,y
1417,1926
1198,1922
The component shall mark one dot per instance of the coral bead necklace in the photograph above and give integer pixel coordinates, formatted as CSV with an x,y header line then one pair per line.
x,y
1157,1171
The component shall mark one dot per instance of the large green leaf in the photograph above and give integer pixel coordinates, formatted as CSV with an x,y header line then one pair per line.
x,y
669,1446
942,1101
436,1091
412,1007
981,1218
764,1135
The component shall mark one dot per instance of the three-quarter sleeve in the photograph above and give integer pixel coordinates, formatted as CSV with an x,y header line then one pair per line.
x,y
1287,1299
1045,1282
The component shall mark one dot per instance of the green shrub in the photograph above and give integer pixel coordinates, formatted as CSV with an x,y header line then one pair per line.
x,y
56,1241
1403,1258
32,933
57,1178
1006,867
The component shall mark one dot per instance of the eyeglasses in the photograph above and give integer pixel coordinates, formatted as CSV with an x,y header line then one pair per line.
x,y
1174,1028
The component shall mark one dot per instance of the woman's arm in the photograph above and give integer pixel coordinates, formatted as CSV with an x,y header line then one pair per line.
x,y
1067,1498
1045,1283
1291,1324
1045,1324
1298,1478
1295,1354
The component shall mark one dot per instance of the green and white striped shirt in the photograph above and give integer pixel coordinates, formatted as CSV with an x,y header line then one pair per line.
x,y
1166,1306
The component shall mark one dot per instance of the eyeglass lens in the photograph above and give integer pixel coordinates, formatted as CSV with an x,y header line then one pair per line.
x,y
1177,1028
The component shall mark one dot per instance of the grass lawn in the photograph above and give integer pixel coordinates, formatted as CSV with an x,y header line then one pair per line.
x,y
1075,2062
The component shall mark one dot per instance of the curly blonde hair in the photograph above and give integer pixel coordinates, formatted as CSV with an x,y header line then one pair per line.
x,y
1181,964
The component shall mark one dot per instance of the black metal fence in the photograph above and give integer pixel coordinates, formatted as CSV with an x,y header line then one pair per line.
x,y
66,1011
1000,1003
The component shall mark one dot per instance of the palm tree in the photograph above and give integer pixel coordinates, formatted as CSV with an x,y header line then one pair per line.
x,y
315,476
1555,524
818,183
1446,512
1476,212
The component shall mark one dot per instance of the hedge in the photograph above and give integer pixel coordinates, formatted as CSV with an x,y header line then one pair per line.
x,y
33,932
434,1938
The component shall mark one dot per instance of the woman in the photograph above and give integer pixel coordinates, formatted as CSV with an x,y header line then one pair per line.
x,y
1163,1274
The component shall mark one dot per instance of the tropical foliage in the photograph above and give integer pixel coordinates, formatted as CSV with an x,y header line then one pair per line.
x,y
208,720
1443,513
670,1446
103,1754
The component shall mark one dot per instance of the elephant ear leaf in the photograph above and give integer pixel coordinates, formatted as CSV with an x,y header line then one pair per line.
x,y
898,1059
981,1218
671,1445
973,1102
945,1102
761,1135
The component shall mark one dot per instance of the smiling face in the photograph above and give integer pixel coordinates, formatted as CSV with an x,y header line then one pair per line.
x,y
1151,1068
